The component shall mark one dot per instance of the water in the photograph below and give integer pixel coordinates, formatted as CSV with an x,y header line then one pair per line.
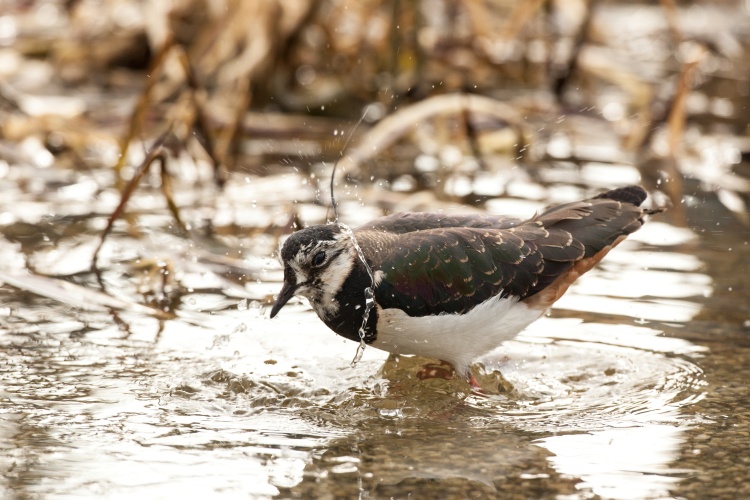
x,y
164,377
631,388
369,296
370,290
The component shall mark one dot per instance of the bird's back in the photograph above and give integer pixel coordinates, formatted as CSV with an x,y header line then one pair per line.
x,y
435,263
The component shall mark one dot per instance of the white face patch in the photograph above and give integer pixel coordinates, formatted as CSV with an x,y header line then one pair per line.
x,y
299,274
320,286
332,279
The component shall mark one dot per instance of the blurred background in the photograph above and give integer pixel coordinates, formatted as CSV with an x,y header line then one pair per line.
x,y
507,92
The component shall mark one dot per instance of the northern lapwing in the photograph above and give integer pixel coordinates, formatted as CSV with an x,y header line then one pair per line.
x,y
453,287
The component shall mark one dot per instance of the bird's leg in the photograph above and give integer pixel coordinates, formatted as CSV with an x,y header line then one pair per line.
x,y
445,370
473,382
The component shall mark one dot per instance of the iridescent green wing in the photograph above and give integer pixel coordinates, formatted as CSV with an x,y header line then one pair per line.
x,y
451,270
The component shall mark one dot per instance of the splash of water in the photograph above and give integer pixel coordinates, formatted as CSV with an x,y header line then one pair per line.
x,y
370,290
369,295
334,205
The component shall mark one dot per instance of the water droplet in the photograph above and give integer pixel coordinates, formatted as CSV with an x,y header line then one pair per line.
x,y
369,297
242,305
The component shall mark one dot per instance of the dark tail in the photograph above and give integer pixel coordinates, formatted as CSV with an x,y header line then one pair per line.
x,y
591,227
635,195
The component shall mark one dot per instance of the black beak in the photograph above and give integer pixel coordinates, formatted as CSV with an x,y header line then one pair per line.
x,y
286,293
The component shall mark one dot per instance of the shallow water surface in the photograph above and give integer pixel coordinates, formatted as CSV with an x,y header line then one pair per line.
x,y
160,375
628,389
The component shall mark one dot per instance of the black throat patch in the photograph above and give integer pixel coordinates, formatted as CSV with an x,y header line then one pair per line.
x,y
351,300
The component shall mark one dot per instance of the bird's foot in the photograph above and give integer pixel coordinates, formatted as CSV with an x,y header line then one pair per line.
x,y
478,383
441,369
444,370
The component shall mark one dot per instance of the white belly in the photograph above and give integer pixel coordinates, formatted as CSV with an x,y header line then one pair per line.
x,y
456,338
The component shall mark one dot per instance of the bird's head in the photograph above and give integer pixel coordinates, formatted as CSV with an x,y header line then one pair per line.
x,y
316,262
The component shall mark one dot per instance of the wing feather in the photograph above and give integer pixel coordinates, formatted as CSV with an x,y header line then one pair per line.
x,y
432,263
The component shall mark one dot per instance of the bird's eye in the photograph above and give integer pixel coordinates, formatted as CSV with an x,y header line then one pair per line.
x,y
319,258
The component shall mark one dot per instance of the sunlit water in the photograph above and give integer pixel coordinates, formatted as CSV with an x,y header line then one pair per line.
x,y
171,381
99,397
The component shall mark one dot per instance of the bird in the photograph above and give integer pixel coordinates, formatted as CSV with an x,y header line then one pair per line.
x,y
452,287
